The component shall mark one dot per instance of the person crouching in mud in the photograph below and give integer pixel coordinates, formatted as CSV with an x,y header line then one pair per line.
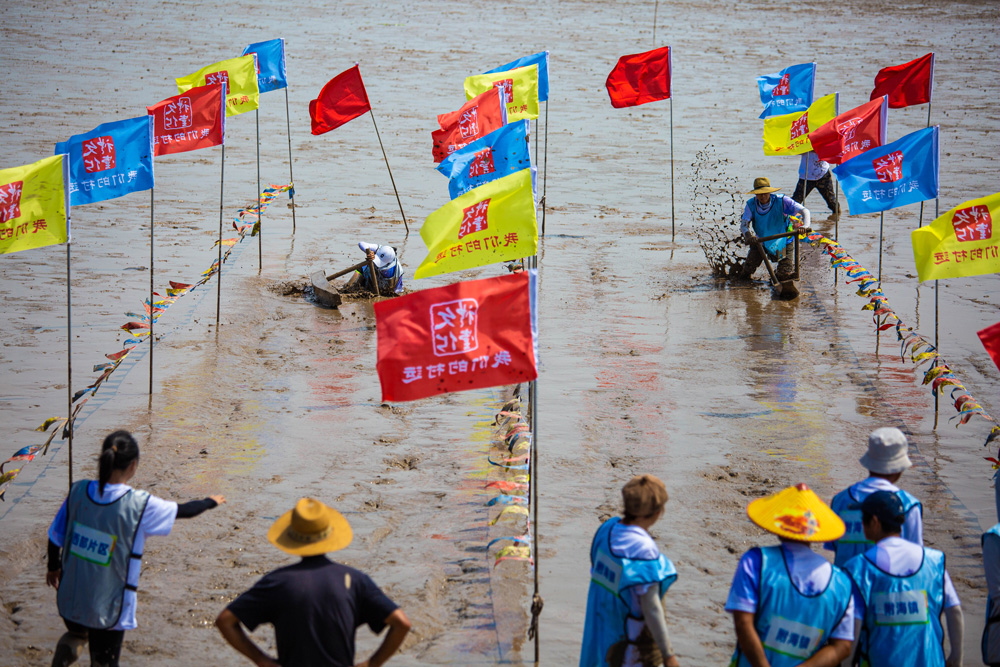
x,y
390,273
768,213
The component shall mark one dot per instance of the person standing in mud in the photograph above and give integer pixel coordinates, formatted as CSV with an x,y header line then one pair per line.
x,y
767,213
387,268
790,606
95,552
316,604
625,624
900,591
886,460
816,173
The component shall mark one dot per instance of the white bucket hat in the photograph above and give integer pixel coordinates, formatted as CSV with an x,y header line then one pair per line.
x,y
886,453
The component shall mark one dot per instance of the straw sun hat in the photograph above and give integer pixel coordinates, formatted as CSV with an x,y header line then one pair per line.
x,y
796,513
762,186
310,529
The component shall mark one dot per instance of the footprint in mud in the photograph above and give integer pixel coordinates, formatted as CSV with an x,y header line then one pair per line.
x,y
372,504
402,462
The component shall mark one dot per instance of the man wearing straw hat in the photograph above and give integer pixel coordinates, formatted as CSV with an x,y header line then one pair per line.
x,y
885,460
900,591
768,213
789,605
316,604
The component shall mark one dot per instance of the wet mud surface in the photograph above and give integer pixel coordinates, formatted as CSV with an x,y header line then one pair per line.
x,y
649,363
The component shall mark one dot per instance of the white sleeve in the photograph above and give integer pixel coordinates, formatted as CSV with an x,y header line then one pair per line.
x,y
367,246
159,516
745,220
846,628
913,527
950,596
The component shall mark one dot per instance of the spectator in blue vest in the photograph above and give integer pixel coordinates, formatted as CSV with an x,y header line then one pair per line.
x,y
767,213
991,564
900,591
790,606
886,460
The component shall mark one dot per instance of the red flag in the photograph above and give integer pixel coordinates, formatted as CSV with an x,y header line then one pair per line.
x,y
468,335
342,100
194,119
851,133
640,78
477,118
991,341
907,84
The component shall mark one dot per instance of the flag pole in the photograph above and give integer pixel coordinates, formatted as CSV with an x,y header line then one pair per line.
x,y
881,220
536,601
672,215
152,311
260,212
291,179
545,166
69,353
391,179
836,223
656,8
218,285
920,222
937,345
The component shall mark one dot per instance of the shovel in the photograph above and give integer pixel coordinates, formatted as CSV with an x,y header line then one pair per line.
x,y
775,284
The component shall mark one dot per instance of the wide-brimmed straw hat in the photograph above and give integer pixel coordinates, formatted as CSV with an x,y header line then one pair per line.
x,y
310,529
886,453
796,513
762,186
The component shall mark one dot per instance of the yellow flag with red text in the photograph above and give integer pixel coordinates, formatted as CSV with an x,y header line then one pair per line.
x,y
788,134
34,205
960,242
492,223
238,75
519,86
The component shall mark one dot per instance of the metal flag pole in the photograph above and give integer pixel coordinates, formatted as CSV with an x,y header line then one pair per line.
x,y
656,8
152,311
260,212
69,353
536,601
391,179
920,222
291,179
881,221
545,166
937,345
836,222
218,271
673,216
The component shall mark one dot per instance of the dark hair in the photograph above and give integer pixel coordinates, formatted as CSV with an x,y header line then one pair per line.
x,y
890,525
117,453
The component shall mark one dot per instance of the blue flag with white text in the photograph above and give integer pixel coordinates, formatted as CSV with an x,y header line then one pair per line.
x,y
542,60
903,172
271,74
500,153
787,91
112,160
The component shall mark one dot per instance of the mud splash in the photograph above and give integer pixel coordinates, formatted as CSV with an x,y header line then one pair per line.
x,y
717,205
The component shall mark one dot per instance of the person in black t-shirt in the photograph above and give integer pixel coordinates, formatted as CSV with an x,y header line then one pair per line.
x,y
316,604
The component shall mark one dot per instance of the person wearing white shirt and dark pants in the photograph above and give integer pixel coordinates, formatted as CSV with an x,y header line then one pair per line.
x,y
816,173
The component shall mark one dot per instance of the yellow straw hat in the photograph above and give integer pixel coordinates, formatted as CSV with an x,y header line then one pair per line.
x,y
310,529
762,186
796,513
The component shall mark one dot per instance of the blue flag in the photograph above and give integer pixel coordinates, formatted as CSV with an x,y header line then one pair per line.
x,y
271,74
787,91
897,174
498,154
112,160
542,60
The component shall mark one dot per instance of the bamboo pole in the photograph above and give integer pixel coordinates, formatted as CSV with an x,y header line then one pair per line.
x,y
291,179
391,179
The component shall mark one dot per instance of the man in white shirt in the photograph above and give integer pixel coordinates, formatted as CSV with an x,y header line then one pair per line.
x,y
815,174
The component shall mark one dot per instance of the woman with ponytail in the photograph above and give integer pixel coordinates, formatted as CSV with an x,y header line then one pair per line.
x,y
95,552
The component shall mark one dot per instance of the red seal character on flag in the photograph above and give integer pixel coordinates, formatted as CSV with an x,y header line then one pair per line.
x,y
468,124
474,218
455,327
178,115
973,224
10,201
219,77
783,87
507,86
800,126
849,128
889,168
482,163
98,154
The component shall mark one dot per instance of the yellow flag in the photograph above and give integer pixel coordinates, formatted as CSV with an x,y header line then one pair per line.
x,y
520,85
240,77
789,134
34,205
960,242
492,223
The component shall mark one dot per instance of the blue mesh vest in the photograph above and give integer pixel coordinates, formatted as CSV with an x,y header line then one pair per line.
x,y
902,614
793,626
846,505
772,222
611,577
96,555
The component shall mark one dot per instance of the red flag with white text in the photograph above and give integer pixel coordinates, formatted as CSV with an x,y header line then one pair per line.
x,y
852,132
907,84
481,115
194,119
468,335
